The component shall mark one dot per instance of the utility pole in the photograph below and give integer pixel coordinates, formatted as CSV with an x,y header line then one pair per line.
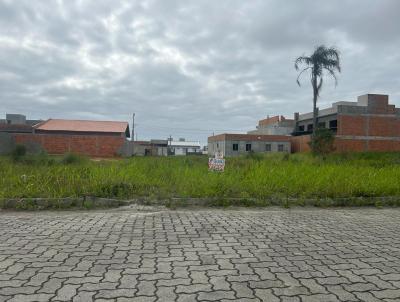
x,y
133,127
170,144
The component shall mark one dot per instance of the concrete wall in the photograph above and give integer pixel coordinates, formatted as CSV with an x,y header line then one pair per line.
x,y
226,147
7,143
273,130
322,119
16,119
216,146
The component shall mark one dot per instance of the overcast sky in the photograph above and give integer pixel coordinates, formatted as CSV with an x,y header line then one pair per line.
x,y
190,67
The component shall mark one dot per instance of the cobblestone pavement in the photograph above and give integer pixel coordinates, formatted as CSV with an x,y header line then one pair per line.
x,y
201,255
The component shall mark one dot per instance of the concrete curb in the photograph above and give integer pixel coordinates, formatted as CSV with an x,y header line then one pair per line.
x,y
58,203
91,202
271,201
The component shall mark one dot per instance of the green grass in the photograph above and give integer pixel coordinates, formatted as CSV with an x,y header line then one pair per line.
x,y
296,176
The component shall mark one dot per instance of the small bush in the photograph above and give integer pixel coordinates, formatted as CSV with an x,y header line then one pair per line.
x,y
121,189
88,204
18,152
322,142
41,159
71,158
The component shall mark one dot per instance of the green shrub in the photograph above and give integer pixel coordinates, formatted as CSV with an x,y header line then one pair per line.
x,y
88,204
18,152
121,189
322,142
41,159
71,158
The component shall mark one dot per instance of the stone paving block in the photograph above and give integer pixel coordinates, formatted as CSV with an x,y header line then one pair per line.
x,y
83,296
115,293
387,294
204,255
266,295
216,295
66,293
31,298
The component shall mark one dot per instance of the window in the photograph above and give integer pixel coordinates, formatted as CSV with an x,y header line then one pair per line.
x,y
301,128
310,127
217,145
333,124
235,147
268,147
248,147
280,148
321,125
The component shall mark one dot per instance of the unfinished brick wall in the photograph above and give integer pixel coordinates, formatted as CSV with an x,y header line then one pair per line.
x,y
91,145
375,129
300,143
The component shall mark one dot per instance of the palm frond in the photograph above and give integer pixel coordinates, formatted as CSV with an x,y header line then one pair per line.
x,y
298,77
302,60
332,73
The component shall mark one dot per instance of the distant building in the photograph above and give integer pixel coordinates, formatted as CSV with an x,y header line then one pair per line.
x,y
370,124
154,147
17,123
276,125
57,136
183,147
238,144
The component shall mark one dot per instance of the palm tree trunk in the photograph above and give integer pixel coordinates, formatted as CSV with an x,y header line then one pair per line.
x,y
315,110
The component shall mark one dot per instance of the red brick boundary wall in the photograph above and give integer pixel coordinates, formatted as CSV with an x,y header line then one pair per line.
x,y
300,143
91,145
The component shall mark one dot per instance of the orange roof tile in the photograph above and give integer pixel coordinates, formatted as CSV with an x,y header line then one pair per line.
x,y
82,126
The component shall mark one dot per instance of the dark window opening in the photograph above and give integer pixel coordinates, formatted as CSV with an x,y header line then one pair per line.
x,y
248,147
280,148
301,128
333,124
235,147
310,127
321,125
268,147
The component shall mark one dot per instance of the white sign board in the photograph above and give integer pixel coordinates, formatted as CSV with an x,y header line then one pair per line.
x,y
216,164
219,155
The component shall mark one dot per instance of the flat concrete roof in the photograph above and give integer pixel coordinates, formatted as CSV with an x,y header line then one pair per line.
x,y
249,137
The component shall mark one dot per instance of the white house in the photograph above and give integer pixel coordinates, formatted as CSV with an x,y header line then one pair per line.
x,y
183,147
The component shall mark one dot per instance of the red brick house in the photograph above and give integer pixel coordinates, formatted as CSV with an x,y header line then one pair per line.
x,y
370,124
92,138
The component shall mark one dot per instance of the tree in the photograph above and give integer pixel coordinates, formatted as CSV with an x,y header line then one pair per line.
x,y
322,60
322,142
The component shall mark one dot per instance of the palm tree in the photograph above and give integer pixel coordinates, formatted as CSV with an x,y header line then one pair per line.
x,y
322,60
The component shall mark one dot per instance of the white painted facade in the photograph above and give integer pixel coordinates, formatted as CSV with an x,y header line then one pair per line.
x,y
184,147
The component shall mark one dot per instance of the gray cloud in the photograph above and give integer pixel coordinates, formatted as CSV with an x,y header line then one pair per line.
x,y
188,67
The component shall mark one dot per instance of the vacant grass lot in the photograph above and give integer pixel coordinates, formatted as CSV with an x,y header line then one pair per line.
x,y
260,177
